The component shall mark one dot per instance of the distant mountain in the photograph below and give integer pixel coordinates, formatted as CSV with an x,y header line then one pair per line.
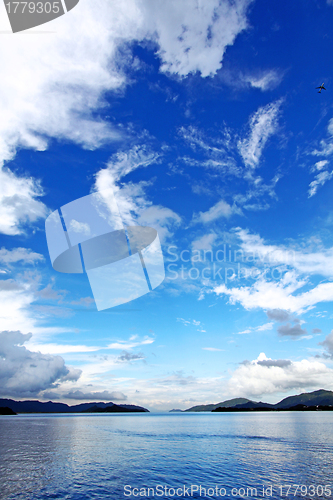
x,y
116,409
7,411
175,410
250,405
314,398
321,397
225,404
50,407
308,401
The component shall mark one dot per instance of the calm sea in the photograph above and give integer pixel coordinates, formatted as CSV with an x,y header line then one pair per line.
x,y
167,456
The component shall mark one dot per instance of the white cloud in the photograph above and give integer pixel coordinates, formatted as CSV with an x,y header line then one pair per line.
x,y
193,36
305,261
220,209
261,328
266,376
320,180
163,219
266,80
80,227
319,165
46,348
263,124
213,349
17,309
53,85
132,201
24,373
15,303
129,344
24,255
326,145
19,203
216,149
274,294
187,322
130,198
266,326
205,242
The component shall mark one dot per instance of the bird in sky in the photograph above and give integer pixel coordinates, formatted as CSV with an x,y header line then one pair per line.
x,y
321,88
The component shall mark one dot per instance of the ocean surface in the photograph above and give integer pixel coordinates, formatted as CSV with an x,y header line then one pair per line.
x,y
173,455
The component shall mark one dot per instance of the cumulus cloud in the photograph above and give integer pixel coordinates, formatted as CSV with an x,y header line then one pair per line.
x,y
19,200
193,36
328,343
263,124
105,396
16,298
24,255
278,315
265,376
24,373
291,331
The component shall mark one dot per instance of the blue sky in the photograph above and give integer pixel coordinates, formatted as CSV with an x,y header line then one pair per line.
x,y
204,120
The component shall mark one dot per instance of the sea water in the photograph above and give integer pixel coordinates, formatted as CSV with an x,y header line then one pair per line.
x,y
175,455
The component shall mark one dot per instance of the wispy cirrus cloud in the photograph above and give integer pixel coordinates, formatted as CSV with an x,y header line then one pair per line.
x,y
262,124
134,341
319,180
263,80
